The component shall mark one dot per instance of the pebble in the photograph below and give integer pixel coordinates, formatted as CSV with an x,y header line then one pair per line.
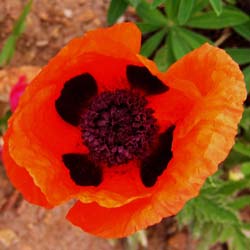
x,y
8,237
68,13
42,43
86,16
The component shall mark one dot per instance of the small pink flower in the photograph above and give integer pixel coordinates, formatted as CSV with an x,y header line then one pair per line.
x,y
16,92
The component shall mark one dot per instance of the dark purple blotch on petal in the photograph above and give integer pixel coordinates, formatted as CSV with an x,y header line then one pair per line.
x,y
140,77
82,170
75,96
154,165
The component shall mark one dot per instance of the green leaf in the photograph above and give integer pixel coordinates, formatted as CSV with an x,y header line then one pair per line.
x,y
152,43
246,226
217,6
177,45
231,187
213,211
149,15
164,58
245,169
239,240
115,10
240,202
245,122
193,39
246,72
209,20
148,27
8,49
213,216
235,158
242,148
171,8
156,3
243,30
240,55
200,5
185,10
134,3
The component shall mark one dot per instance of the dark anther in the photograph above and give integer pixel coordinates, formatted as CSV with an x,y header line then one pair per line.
x,y
141,78
82,170
75,96
118,127
154,165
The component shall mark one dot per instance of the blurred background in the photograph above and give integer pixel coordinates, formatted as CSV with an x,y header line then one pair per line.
x,y
31,32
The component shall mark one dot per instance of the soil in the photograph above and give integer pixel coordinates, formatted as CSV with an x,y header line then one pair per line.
x,y
49,26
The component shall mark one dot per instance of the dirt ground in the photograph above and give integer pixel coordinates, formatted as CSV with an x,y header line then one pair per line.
x,y
49,26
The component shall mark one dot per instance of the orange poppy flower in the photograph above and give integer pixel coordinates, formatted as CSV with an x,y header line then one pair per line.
x,y
102,125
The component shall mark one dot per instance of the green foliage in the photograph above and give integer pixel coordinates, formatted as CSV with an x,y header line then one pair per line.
x,y
170,25
214,216
241,55
4,122
210,20
243,30
217,6
246,73
116,8
9,46
184,11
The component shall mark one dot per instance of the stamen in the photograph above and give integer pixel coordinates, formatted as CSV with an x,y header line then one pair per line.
x,y
118,127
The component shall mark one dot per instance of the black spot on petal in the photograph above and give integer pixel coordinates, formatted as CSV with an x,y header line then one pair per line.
x,y
154,165
75,95
83,171
140,77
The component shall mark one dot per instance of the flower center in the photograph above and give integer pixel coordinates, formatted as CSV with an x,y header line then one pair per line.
x,y
118,127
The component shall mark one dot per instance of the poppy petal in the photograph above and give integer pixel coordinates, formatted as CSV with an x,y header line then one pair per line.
x,y
126,34
204,137
23,181
75,95
112,222
41,124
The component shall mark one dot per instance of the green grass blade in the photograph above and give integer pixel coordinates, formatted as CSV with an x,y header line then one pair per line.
x,y
19,25
8,49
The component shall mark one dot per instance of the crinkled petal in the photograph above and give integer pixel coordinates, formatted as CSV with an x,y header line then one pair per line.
x,y
39,133
202,139
22,180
